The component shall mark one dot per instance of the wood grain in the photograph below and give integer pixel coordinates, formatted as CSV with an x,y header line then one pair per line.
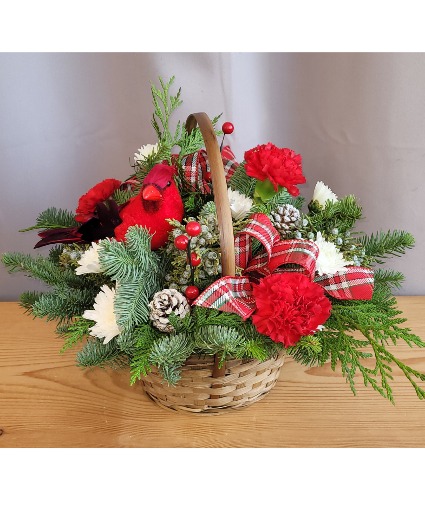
x,y
46,401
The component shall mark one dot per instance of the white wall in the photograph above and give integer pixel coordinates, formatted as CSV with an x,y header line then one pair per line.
x,y
70,120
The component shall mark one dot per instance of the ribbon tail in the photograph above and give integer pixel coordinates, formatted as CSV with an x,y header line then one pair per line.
x,y
229,294
355,283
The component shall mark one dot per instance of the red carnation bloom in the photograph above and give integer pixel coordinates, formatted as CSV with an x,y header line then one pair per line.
x,y
282,166
289,306
99,193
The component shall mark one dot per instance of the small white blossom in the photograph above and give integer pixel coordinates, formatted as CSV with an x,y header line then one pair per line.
x,y
103,314
330,259
145,151
89,261
322,193
240,205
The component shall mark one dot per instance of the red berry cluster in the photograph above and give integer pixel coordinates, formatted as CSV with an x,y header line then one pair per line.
x,y
182,242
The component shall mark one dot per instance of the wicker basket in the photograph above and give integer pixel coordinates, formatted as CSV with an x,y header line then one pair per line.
x,y
205,387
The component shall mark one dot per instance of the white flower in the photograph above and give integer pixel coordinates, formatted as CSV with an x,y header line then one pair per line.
x,y
89,261
240,205
103,314
330,260
322,193
145,151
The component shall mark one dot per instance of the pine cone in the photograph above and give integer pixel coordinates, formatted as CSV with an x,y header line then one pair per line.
x,y
286,219
164,303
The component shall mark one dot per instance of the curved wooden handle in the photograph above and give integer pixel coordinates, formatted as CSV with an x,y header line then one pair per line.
x,y
224,215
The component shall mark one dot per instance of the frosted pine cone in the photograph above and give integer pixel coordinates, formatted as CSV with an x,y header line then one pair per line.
x,y
164,303
286,219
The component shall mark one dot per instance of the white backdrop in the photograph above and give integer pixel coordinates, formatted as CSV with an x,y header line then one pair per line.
x,y
70,120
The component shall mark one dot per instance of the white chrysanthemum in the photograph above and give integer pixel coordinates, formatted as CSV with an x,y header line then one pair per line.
x,y
145,151
330,259
322,193
103,314
240,205
89,261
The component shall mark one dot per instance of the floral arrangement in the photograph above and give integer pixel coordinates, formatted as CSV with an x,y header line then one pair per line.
x,y
136,278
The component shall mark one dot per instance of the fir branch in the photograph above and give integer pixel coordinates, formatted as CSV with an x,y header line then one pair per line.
x,y
208,316
97,354
217,339
53,218
144,338
27,300
62,304
281,198
341,215
241,182
391,278
306,351
169,353
41,268
381,245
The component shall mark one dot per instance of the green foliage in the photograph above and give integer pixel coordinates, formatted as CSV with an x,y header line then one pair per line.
x,y
384,244
75,332
123,196
28,298
164,105
241,182
53,218
62,304
391,278
97,354
136,269
203,317
143,340
306,351
169,353
341,215
41,268
280,198
356,337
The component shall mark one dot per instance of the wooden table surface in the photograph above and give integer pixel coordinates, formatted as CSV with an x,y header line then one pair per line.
x,y
46,401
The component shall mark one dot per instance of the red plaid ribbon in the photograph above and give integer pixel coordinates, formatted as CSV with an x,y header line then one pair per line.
x,y
196,168
234,294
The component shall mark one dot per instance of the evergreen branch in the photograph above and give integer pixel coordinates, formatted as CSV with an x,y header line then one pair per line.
x,y
41,268
241,182
381,245
221,340
75,332
144,338
97,354
281,198
164,105
169,353
132,301
388,277
53,218
341,215
306,351
27,300
208,316
62,304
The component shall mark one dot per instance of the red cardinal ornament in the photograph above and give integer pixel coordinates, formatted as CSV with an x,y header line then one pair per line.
x,y
158,200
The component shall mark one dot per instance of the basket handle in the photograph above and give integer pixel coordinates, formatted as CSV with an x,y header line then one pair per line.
x,y
224,215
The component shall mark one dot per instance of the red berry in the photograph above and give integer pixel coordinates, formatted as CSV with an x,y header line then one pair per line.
x,y
191,292
195,260
193,228
181,242
227,127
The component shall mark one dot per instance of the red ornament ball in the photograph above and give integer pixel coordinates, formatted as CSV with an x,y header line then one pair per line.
x,y
207,176
193,228
181,242
191,292
227,127
195,260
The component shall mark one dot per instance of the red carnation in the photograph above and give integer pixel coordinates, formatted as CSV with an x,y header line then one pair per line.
x,y
289,306
282,166
99,193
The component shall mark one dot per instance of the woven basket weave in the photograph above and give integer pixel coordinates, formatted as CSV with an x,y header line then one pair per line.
x,y
245,381
205,387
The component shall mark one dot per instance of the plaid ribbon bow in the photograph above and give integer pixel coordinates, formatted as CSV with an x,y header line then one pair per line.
x,y
234,294
197,169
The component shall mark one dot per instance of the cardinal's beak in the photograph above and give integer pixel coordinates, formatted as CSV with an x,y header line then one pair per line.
x,y
151,192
